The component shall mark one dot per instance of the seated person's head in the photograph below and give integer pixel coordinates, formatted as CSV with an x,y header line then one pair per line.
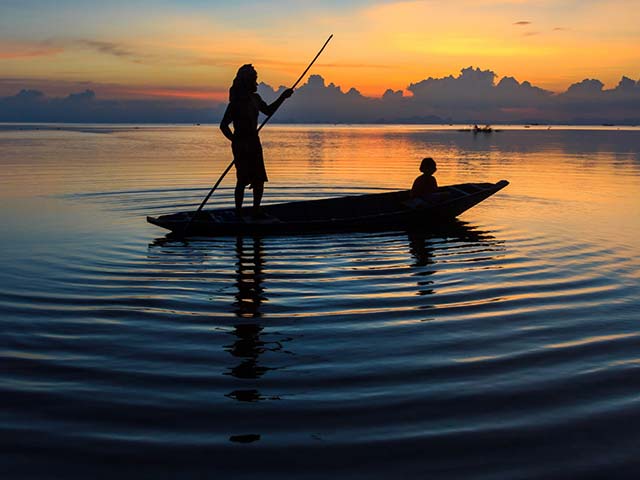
x,y
428,166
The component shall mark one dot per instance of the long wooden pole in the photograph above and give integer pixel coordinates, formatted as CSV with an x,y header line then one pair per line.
x,y
206,199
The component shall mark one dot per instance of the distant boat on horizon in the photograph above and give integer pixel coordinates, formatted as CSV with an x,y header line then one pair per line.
x,y
477,129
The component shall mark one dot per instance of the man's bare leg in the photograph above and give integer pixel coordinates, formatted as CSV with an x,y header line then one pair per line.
x,y
258,190
239,196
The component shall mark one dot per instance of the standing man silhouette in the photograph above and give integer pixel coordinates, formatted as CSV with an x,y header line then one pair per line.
x,y
243,109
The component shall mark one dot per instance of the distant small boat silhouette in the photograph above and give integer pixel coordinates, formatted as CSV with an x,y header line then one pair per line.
x,y
372,212
477,129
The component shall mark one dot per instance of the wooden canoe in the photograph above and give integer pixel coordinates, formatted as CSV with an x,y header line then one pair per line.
x,y
371,212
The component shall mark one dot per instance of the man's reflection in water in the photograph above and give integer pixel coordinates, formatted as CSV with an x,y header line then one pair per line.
x,y
249,268
249,344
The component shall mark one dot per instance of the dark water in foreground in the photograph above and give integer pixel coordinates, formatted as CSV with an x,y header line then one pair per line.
x,y
505,346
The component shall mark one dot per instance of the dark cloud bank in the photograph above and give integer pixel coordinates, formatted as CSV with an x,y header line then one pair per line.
x,y
474,96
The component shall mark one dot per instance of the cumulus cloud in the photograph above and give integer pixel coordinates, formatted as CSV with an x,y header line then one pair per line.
x,y
35,106
586,88
472,96
588,100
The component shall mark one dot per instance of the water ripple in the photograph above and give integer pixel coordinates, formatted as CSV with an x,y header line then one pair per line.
x,y
467,352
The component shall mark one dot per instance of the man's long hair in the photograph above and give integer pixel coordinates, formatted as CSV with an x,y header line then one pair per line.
x,y
244,84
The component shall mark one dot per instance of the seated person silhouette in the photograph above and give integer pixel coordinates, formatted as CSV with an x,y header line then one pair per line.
x,y
425,187
425,184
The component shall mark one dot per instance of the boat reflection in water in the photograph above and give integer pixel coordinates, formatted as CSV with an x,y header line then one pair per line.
x,y
322,291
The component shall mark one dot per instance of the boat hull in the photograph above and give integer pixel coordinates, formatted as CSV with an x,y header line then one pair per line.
x,y
373,212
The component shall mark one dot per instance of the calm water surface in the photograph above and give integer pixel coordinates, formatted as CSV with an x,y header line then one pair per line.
x,y
505,346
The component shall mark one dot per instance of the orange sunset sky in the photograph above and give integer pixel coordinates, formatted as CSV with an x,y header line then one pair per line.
x,y
192,49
